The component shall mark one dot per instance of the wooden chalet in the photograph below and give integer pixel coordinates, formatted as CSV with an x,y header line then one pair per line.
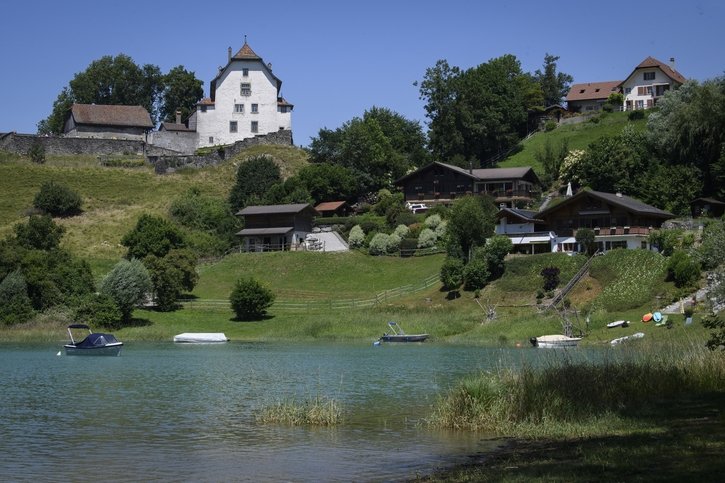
x,y
275,227
333,208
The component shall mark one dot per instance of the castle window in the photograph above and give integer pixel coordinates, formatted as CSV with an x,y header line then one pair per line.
x,y
239,108
245,72
211,139
255,126
232,126
649,76
255,108
245,89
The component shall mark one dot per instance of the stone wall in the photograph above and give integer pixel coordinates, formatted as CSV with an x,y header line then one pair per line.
x,y
63,146
184,142
170,163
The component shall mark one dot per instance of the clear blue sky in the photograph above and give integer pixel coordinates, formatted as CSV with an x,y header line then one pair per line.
x,y
338,58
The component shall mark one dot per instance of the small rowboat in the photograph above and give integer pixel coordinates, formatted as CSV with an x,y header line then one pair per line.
x,y
399,336
554,341
618,323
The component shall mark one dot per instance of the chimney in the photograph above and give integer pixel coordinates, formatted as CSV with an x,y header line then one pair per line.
x,y
269,66
470,166
229,54
672,63
178,116
501,206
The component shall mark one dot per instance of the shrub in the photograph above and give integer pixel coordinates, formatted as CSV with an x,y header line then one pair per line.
x,y
250,299
427,238
152,235
40,233
356,239
405,217
57,199
98,310
551,277
36,153
682,269
128,283
452,273
441,230
635,115
379,244
433,221
414,230
549,125
475,275
401,231
393,244
15,307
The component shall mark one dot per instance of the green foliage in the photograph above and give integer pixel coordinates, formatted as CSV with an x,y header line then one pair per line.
x,y
54,276
405,217
552,160
554,85
616,100
181,91
108,80
664,240
255,176
128,283
250,299
427,238
152,235
476,274
635,115
682,269
171,275
37,152
452,273
551,277
550,125
493,253
712,248
98,310
470,223
716,324
15,307
39,233
329,182
379,244
207,214
586,238
433,221
57,199
356,238
401,231
625,287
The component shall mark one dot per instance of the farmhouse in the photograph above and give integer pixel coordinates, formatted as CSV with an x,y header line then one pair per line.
x,y
442,183
275,227
590,96
107,122
648,82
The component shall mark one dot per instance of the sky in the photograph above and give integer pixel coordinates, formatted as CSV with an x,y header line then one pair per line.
x,y
337,59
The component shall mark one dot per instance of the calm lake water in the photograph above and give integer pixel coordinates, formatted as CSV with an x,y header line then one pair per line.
x,y
186,412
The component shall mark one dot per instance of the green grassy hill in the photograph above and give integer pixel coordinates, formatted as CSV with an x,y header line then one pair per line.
x,y
114,198
579,136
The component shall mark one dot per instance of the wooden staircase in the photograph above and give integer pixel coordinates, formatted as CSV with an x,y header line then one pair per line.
x,y
574,280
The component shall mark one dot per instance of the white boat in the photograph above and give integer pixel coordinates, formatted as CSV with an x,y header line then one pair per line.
x,y
618,323
201,337
636,335
554,341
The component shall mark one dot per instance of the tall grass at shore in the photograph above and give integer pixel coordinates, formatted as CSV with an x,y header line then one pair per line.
x,y
564,398
314,411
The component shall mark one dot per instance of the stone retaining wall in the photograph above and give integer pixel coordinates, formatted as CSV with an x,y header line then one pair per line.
x,y
68,146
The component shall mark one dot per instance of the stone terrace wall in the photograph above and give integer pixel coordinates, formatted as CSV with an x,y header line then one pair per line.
x,y
62,146
169,164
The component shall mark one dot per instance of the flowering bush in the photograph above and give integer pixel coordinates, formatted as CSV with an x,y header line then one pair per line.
x,y
433,221
356,238
393,244
441,229
570,165
379,244
427,238
401,231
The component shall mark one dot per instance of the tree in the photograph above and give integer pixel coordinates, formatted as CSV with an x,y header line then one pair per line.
x,y
586,239
181,91
98,310
552,160
682,269
470,223
170,276
36,153
39,233
554,85
108,80
476,275
207,215
54,277
712,248
15,307
328,182
493,254
250,299
255,176
128,283
57,199
152,235
452,273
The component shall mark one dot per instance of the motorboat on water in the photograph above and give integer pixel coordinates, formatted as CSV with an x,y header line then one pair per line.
x,y
554,341
201,337
399,335
94,344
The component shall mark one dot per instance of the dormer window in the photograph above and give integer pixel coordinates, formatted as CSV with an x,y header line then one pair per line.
x,y
245,89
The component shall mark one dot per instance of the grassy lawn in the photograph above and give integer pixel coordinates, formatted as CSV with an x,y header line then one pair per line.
x,y
579,136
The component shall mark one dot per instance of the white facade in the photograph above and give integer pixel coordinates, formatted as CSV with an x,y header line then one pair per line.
x,y
648,83
244,102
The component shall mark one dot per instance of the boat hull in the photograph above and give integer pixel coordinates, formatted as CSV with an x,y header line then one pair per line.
x,y
555,341
107,350
201,338
404,338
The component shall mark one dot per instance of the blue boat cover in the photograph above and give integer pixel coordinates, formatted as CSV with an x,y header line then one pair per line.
x,y
97,339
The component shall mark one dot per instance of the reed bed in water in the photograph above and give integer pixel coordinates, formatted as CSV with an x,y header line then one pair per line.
x,y
579,398
316,411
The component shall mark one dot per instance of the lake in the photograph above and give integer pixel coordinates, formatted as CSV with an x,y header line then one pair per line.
x,y
165,411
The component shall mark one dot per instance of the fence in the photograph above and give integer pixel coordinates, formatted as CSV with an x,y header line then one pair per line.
x,y
317,304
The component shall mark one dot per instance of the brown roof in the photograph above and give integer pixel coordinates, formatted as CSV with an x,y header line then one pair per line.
x,y
205,102
329,205
246,53
651,62
281,101
275,209
172,126
481,174
624,201
111,115
592,91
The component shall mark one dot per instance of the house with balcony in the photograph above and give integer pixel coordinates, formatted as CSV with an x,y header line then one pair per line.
x,y
648,82
528,233
276,227
618,221
438,183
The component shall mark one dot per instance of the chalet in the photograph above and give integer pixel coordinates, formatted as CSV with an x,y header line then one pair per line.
x,y
527,232
107,122
707,207
244,101
590,96
275,227
333,208
442,183
648,82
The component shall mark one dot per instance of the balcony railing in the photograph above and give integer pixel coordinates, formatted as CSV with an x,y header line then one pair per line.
x,y
619,230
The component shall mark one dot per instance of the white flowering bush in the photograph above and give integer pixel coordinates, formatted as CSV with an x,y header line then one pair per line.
x,y
570,165
441,229
393,244
356,238
379,244
402,231
433,221
427,238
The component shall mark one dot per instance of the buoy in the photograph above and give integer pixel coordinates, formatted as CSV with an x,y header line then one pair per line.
x,y
58,353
